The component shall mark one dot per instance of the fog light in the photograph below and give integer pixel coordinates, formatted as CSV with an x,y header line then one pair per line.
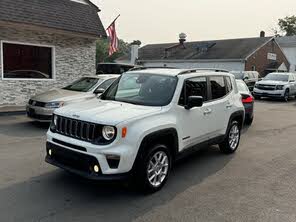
x,y
49,152
96,168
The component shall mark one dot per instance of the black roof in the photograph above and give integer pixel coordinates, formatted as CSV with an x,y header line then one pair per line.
x,y
228,49
58,14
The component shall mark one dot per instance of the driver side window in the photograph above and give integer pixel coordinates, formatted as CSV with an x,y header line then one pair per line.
x,y
194,87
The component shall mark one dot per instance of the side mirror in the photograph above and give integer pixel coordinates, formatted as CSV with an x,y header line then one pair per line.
x,y
245,78
99,91
194,101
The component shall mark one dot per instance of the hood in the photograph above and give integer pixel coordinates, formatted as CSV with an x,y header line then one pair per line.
x,y
271,82
59,95
105,112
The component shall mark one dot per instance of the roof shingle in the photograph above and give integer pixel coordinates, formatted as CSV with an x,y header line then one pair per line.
x,y
214,49
58,14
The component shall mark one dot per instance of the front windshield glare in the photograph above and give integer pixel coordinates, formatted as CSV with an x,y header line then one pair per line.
x,y
277,77
142,89
82,85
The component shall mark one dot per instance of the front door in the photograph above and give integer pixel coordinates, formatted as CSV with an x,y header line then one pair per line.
x,y
193,127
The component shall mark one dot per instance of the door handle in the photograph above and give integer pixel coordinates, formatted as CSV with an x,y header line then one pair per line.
x,y
207,111
228,106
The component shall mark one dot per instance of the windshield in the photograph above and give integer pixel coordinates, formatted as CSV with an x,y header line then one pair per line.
x,y
142,89
242,87
277,77
82,85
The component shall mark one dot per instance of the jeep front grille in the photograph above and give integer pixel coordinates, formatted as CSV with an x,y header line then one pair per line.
x,y
77,129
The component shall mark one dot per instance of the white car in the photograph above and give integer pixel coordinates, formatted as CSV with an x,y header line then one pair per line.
x,y
276,85
145,121
40,107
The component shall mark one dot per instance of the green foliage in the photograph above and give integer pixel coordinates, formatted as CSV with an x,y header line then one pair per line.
x,y
287,26
102,53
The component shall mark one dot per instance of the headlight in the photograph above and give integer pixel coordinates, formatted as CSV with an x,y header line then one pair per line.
x,y
279,87
108,132
55,120
54,123
54,104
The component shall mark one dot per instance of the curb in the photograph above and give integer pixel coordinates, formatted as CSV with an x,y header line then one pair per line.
x,y
12,113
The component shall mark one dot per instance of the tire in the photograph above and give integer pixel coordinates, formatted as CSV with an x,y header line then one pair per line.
x,y
249,120
286,95
229,145
160,172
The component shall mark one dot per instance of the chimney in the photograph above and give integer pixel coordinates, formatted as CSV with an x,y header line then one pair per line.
x,y
135,51
182,38
262,34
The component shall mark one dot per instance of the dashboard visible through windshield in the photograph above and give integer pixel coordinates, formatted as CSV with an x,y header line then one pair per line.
x,y
142,89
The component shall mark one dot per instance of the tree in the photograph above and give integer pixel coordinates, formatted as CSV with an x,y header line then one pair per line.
x,y
286,26
102,51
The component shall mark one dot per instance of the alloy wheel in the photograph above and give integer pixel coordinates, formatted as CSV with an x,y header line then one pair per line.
x,y
233,138
157,169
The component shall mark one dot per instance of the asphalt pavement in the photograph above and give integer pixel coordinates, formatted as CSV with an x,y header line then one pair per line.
x,y
257,183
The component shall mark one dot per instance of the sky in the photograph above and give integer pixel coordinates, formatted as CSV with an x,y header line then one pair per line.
x,y
160,21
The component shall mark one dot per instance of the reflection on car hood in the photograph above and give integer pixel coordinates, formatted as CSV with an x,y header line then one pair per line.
x,y
271,82
105,112
60,95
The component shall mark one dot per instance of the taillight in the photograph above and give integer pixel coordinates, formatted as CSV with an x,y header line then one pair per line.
x,y
247,99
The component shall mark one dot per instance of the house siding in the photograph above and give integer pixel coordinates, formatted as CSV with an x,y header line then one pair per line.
x,y
260,61
74,58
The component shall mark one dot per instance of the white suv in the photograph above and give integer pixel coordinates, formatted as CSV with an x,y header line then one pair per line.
x,y
276,85
143,122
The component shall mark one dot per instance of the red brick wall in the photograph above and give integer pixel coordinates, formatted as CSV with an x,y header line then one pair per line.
x,y
260,61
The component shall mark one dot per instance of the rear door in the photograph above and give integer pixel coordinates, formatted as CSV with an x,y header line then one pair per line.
x,y
220,104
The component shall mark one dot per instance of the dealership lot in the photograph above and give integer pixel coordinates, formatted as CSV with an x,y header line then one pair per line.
x,y
255,184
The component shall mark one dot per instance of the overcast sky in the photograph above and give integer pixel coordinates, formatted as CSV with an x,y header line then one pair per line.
x,y
157,21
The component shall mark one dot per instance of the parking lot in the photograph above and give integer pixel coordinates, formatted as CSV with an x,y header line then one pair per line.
x,y
255,184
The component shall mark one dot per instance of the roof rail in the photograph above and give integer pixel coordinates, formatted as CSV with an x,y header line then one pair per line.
x,y
152,67
188,71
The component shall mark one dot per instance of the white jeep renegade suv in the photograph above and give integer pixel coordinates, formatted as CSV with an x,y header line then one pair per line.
x,y
143,122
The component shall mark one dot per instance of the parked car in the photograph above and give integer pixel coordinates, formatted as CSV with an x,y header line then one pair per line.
x,y
145,121
249,77
276,85
247,99
113,68
40,107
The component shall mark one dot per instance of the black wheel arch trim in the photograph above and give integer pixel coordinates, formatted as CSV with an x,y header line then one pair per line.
x,y
153,137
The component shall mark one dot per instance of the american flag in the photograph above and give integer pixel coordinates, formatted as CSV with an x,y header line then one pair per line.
x,y
113,45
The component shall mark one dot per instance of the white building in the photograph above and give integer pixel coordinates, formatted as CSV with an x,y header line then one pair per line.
x,y
288,45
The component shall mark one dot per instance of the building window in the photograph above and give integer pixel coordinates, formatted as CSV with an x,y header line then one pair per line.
x,y
22,61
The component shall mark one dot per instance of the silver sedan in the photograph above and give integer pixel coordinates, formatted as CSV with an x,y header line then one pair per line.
x,y
40,107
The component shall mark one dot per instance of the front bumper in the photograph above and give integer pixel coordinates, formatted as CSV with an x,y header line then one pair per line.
x,y
78,163
100,154
269,93
40,114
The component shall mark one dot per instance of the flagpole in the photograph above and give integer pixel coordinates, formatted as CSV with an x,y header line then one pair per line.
x,y
113,21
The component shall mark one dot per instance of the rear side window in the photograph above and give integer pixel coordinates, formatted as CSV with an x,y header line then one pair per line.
x,y
218,87
194,87
228,84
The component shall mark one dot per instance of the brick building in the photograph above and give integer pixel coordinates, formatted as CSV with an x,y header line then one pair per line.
x,y
45,44
262,54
